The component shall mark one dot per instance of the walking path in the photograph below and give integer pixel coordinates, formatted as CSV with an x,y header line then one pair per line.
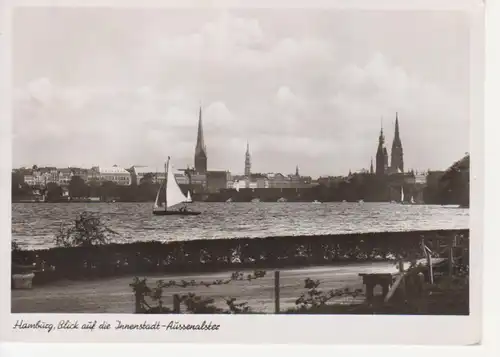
x,y
114,295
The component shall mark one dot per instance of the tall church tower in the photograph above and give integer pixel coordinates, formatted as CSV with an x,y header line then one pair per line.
x,y
248,163
397,150
371,166
200,153
381,157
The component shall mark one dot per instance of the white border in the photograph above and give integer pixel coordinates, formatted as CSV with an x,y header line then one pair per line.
x,y
278,329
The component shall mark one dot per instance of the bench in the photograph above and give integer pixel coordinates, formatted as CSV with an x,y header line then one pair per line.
x,y
370,281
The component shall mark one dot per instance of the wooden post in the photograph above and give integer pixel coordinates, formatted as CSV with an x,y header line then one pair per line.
x,y
429,265
429,261
138,305
277,292
401,269
177,304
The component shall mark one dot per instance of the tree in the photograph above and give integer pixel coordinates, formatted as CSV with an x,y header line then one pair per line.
x,y
454,184
108,190
147,179
78,187
88,230
147,189
53,192
19,187
94,188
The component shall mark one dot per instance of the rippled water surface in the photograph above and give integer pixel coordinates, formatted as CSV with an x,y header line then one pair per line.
x,y
35,224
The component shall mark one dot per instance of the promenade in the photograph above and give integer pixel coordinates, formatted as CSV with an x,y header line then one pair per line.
x,y
114,295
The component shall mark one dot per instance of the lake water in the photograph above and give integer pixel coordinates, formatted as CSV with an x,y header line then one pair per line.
x,y
35,224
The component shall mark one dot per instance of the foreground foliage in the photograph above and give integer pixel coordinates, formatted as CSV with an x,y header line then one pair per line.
x,y
87,230
193,303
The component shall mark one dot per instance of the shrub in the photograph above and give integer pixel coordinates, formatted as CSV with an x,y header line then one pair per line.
x,y
88,230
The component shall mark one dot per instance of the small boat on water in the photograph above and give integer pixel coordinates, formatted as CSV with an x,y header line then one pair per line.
x,y
316,202
229,200
282,199
173,196
403,202
189,199
255,200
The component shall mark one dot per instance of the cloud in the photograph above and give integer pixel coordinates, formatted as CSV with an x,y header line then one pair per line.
x,y
305,97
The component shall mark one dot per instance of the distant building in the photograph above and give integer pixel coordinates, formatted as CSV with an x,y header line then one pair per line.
x,y
278,180
183,179
397,164
115,174
64,176
138,173
197,179
409,179
248,164
258,181
217,180
49,174
420,179
82,173
236,182
40,176
29,180
200,153
382,158
328,180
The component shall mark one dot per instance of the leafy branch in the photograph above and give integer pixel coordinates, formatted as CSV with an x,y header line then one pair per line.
x,y
87,230
315,297
194,303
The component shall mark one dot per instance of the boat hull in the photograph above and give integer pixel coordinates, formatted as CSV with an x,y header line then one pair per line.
x,y
175,213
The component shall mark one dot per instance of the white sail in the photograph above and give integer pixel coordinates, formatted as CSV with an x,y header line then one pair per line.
x,y
189,199
237,186
173,192
402,194
412,200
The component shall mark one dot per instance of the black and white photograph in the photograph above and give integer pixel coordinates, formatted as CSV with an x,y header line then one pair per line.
x,y
240,161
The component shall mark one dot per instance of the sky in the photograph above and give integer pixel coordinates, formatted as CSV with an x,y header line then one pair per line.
x,y
306,87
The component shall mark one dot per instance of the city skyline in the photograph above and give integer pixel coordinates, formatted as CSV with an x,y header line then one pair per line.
x,y
293,87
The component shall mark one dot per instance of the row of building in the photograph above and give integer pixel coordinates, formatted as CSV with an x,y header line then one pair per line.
x,y
209,181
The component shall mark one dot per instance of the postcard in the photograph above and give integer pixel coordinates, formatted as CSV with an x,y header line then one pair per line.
x,y
206,172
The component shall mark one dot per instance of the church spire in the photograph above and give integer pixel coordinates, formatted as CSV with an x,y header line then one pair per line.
x,y
381,137
297,170
371,166
200,140
200,153
248,163
381,156
397,164
396,128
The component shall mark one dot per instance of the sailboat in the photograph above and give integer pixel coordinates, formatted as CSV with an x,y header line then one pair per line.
x,y
188,198
402,200
173,196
